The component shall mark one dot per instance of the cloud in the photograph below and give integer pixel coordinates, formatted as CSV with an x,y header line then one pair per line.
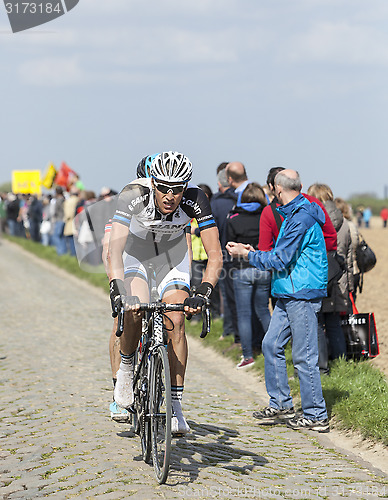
x,y
52,72
340,43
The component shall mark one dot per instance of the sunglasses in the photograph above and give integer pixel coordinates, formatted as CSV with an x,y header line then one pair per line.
x,y
167,188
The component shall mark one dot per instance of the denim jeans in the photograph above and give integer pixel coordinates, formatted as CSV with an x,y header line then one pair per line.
x,y
330,323
69,245
251,292
323,357
296,319
11,227
58,238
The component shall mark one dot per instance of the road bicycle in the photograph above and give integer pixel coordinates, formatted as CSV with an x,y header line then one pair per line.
x,y
152,408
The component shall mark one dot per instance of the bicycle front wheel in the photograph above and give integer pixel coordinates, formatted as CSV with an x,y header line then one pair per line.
x,y
141,417
160,413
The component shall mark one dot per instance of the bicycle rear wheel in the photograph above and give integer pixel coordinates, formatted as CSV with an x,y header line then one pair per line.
x,y
160,413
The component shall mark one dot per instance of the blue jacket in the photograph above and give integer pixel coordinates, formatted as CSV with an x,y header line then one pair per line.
x,y
298,260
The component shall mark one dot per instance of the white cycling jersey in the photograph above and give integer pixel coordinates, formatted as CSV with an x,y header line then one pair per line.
x,y
158,238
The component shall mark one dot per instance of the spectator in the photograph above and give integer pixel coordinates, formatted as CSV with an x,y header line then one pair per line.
x,y
360,215
59,224
69,212
367,214
337,300
270,223
299,252
237,177
384,216
251,285
14,222
45,227
34,213
3,214
354,236
23,215
221,204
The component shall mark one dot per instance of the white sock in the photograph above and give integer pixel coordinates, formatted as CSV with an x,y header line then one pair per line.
x,y
176,399
126,364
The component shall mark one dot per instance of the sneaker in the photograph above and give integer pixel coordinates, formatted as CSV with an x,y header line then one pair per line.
x,y
123,391
307,423
271,415
118,414
245,363
179,426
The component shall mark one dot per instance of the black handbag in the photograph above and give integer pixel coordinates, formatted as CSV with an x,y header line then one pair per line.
x,y
365,256
366,260
360,334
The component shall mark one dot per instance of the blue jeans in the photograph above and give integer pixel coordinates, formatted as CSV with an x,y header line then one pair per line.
x,y
70,245
12,227
251,292
330,322
296,319
58,238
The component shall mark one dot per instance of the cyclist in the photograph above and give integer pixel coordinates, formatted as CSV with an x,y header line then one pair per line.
x,y
149,226
116,412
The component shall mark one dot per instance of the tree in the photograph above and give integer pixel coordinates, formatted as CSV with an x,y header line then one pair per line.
x,y
6,187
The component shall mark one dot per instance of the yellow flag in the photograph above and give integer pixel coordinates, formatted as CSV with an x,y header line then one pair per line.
x,y
48,179
26,182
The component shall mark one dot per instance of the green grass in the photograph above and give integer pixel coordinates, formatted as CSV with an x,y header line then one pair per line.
x,y
356,393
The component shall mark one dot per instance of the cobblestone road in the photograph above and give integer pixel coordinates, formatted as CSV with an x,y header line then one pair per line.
x,y
57,437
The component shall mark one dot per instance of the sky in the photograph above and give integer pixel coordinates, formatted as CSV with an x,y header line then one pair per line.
x,y
301,83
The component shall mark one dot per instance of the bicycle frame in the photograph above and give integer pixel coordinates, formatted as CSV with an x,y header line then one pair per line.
x,y
152,406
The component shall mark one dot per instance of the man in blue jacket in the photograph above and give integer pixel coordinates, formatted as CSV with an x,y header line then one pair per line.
x,y
299,280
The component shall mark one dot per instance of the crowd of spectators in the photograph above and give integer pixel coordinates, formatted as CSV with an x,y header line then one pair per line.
x,y
245,212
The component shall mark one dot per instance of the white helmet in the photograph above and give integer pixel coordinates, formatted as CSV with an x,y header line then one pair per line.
x,y
171,167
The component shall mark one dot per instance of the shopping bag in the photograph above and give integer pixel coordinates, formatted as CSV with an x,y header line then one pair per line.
x,y
360,334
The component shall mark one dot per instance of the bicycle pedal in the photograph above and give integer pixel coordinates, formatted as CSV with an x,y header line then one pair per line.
x,y
178,434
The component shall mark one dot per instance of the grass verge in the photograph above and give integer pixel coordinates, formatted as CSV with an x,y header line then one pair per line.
x,y
356,393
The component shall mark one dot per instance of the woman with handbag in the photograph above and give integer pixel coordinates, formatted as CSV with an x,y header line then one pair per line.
x,y
355,237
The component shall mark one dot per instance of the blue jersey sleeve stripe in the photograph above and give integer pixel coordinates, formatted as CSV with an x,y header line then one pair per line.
x,y
206,223
118,218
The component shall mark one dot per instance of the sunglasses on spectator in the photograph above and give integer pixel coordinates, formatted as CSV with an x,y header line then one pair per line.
x,y
167,188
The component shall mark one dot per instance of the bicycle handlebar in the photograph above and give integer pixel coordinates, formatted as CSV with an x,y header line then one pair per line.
x,y
164,307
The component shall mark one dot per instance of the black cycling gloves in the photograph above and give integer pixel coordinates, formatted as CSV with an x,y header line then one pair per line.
x,y
198,298
118,295
116,290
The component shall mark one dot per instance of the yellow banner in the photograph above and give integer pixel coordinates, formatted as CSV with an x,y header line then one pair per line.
x,y
26,182
48,179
